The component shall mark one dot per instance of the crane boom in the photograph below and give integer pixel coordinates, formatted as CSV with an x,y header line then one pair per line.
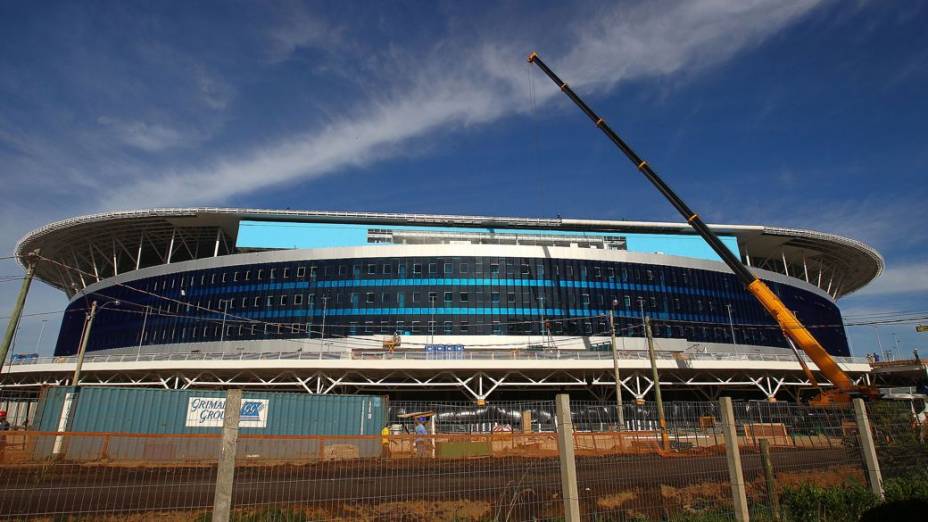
x,y
792,328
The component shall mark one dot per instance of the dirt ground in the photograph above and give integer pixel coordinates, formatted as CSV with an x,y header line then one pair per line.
x,y
513,488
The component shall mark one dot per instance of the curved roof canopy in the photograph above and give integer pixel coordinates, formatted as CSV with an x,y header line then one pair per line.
x,y
90,248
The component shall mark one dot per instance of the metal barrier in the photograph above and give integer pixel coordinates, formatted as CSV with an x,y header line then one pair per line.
x,y
499,462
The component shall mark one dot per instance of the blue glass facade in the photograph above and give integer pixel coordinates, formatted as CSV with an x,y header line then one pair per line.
x,y
440,295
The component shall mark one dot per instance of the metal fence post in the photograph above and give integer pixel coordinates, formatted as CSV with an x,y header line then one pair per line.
x,y
222,500
565,450
772,496
867,448
735,473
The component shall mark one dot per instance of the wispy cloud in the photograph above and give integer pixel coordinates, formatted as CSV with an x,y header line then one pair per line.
x,y
628,43
910,278
150,137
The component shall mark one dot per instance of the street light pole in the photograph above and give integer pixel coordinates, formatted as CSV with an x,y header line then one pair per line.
x,y
225,312
615,367
142,335
325,306
731,324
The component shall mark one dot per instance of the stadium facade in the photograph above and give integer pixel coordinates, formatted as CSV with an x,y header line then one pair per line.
x,y
243,283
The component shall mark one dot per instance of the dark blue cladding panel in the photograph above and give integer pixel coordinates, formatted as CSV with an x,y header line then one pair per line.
x,y
462,295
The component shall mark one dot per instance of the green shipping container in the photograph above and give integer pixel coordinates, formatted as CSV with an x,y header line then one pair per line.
x,y
144,410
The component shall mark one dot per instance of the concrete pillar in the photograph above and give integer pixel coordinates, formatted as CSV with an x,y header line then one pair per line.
x,y
527,421
17,310
733,454
867,448
222,500
773,498
565,450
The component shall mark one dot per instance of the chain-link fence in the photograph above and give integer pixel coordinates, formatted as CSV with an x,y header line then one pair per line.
x,y
458,461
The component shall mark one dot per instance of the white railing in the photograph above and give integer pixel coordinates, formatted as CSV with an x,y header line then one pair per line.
x,y
420,355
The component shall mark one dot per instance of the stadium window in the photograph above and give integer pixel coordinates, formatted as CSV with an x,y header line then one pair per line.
x,y
497,328
585,299
627,300
202,281
624,275
355,299
685,278
611,273
583,272
494,298
676,303
368,327
699,305
257,301
433,268
650,274
270,300
212,279
272,274
449,268
449,296
587,328
465,297
371,269
342,270
301,271
523,269
570,270
286,273
298,299
183,281
224,276
244,303
653,302
416,327
385,327
417,268
247,275
539,270
401,299
260,274
433,296
464,268
494,268
465,326
431,328
387,269
311,299
313,272
283,300
234,277
401,327
448,328
401,269
598,272
415,297
370,298
385,298
511,298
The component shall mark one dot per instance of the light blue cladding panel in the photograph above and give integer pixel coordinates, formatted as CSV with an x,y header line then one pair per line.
x,y
286,235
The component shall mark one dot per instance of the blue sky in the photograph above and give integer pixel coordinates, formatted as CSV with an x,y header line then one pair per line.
x,y
808,114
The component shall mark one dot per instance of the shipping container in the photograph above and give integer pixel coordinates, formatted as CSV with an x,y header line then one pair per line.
x,y
165,412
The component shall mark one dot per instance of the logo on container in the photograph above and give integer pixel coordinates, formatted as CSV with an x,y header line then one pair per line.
x,y
208,412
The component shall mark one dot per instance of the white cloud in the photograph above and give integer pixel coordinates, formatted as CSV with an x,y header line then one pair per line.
x,y
911,278
150,137
629,42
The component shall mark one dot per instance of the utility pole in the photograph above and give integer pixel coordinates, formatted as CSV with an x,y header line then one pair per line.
x,y
17,313
615,367
731,324
657,385
88,322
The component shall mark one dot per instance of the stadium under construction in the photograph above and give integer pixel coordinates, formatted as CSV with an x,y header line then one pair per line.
x,y
433,306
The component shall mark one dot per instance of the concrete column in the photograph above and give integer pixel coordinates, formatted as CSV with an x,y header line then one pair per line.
x,y
527,421
222,501
565,450
733,454
773,498
874,477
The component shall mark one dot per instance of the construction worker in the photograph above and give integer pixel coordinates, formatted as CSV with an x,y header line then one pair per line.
x,y
385,441
421,443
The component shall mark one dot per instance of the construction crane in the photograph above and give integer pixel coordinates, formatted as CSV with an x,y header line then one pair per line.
x,y
844,389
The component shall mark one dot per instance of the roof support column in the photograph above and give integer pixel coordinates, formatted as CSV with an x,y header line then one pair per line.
x,y
785,266
138,258
171,246
805,268
218,238
115,263
93,261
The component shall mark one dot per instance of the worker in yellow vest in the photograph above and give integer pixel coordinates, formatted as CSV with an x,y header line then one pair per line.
x,y
385,441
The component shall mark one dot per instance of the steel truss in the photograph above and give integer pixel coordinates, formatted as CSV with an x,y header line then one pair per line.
x,y
476,384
